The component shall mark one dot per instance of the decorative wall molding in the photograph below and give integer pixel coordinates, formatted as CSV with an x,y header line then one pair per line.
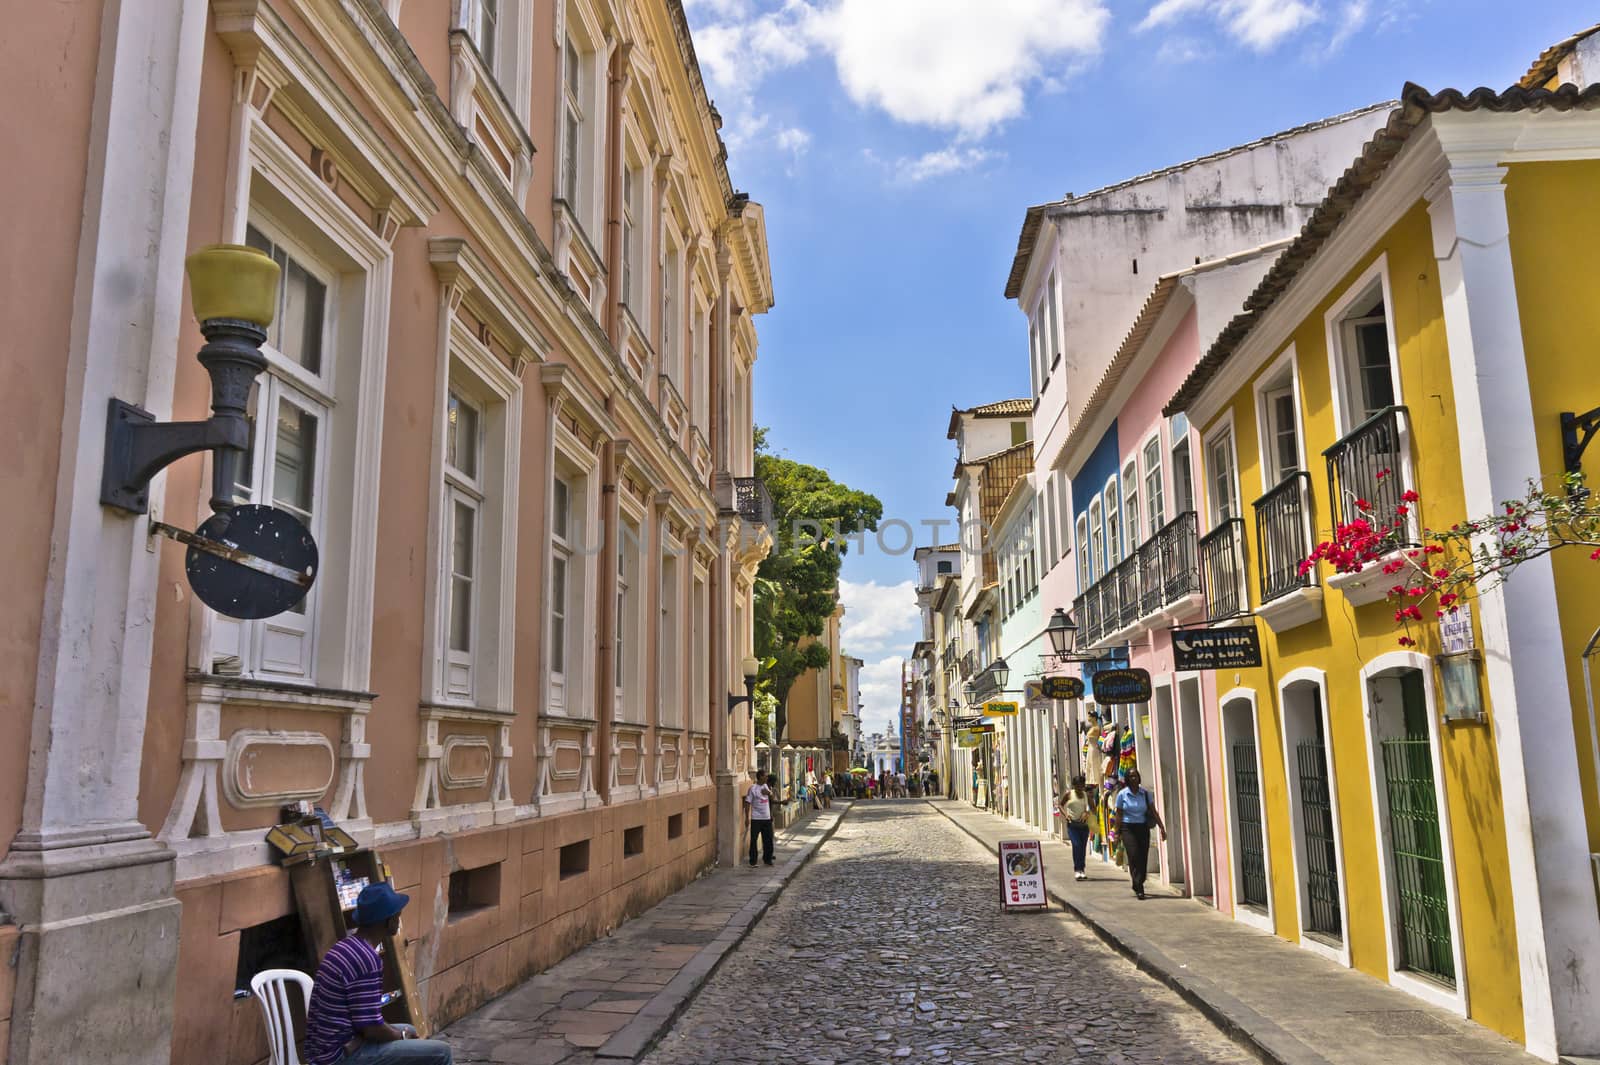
x,y
244,792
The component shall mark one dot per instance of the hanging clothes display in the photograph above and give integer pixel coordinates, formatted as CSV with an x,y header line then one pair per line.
x,y
1093,764
1128,760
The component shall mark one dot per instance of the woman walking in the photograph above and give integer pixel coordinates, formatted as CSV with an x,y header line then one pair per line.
x,y
1074,806
1136,813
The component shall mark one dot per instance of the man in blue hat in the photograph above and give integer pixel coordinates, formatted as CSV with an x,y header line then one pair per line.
x,y
344,1021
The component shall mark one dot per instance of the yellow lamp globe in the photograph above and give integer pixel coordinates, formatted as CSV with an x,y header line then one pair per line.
x,y
233,281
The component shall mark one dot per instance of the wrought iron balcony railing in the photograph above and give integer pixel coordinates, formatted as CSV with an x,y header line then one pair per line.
x,y
1367,466
752,501
1150,580
1129,604
1222,570
969,662
1180,563
1282,537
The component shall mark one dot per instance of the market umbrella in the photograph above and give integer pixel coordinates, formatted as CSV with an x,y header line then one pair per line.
x,y
859,771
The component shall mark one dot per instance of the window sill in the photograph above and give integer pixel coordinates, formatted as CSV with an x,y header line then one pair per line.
x,y
1299,607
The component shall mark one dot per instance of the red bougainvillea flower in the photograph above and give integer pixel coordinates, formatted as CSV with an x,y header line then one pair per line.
x,y
1402,510
1441,574
1406,641
1434,549
1596,556
1408,496
1384,473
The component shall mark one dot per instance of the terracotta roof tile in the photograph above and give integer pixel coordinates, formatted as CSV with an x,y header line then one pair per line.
x,y
1544,68
1416,105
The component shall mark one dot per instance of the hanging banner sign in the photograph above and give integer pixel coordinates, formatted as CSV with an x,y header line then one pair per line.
x,y
999,709
1115,686
1022,876
1063,688
967,739
1455,631
1234,647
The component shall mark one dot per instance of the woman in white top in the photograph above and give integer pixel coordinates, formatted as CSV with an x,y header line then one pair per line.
x,y
1074,806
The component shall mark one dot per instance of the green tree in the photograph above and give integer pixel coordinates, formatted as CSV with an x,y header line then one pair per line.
x,y
797,586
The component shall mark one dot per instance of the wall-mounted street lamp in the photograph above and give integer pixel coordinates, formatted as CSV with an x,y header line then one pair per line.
x,y
1062,632
750,667
234,290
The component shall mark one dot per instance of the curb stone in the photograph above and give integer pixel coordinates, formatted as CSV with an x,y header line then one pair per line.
x,y
639,1035
1239,1022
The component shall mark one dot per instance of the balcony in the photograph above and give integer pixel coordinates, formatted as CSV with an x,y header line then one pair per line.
x,y
1158,579
1222,571
969,662
1283,539
752,501
1368,473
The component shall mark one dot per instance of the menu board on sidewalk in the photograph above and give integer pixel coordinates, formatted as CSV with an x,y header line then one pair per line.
x,y
1022,875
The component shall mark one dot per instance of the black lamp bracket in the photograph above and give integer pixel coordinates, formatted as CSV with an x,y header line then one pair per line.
x,y
1576,432
138,447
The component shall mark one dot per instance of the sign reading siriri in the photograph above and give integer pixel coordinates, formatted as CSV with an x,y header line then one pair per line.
x,y
1063,688
1233,647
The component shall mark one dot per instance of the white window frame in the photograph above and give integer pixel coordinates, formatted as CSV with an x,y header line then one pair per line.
x,y
628,703
1064,508
699,660
1223,428
636,208
462,492
1085,570
583,105
1280,378
1131,518
484,678
673,257
1097,533
1340,353
482,18
669,648
1266,922
1113,519
1154,486
700,358
569,693
284,648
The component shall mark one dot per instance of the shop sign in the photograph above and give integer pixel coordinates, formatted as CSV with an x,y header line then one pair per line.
x,y
1035,696
1022,875
1063,688
999,709
1116,686
1233,647
967,739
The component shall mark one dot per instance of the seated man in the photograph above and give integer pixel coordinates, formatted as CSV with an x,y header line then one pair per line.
x,y
343,1021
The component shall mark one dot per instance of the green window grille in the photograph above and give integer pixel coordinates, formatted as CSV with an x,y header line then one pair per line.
x,y
1416,851
1316,814
1252,847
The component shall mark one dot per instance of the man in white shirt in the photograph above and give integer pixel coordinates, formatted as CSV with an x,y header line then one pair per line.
x,y
758,811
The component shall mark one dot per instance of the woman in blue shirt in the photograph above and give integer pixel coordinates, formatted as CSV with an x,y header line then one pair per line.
x,y
1136,813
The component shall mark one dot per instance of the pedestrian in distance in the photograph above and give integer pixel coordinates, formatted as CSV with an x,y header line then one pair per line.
x,y
827,789
758,813
344,1019
1136,814
1074,806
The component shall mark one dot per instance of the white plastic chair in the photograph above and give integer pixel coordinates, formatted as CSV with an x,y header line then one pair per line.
x,y
271,989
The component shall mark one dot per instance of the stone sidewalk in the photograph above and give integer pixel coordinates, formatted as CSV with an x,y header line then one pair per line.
x,y
612,999
1288,1005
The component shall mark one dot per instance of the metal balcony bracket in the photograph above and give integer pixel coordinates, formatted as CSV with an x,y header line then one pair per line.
x,y
1576,432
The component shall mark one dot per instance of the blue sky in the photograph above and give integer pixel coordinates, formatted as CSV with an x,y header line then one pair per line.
x,y
896,143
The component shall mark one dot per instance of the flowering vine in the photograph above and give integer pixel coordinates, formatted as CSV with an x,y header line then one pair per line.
x,y
1451,565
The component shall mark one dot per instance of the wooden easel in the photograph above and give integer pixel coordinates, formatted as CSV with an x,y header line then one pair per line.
x,y
325,920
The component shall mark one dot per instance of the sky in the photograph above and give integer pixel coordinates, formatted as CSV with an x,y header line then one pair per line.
x,y
895,145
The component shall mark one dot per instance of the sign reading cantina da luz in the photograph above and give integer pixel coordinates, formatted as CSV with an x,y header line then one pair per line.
x,y
1234,647
1022,875
1122,686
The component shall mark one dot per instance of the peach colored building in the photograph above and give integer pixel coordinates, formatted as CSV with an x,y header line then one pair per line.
x,y
508,389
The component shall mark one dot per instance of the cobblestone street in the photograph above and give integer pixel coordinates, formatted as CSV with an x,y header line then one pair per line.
x,y
889,946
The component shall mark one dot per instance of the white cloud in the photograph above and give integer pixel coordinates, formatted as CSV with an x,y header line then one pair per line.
x,y
911,171
879,618
1352,18
961,65
964,65
1258,24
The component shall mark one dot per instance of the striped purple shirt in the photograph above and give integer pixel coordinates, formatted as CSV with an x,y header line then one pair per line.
x,y
344,998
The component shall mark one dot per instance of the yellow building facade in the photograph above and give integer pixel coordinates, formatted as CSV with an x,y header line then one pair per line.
x,y
1423,335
